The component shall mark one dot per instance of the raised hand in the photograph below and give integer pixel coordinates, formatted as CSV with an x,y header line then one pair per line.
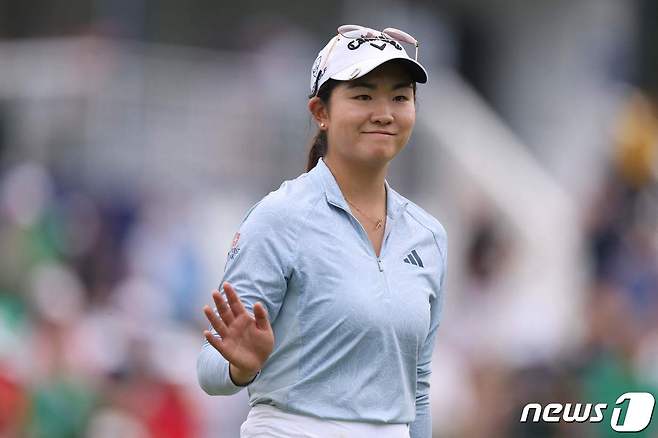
x,y
245,341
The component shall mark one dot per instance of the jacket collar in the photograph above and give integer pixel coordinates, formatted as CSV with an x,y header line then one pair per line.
x,y
394,202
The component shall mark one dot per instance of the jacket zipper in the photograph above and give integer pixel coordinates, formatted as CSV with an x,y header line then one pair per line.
x,y
381,269
380,265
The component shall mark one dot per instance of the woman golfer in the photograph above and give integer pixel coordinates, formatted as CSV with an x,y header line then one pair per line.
x,y
334,283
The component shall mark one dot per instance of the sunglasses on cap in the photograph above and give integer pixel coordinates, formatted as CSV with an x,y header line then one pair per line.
x,y
360,35
354,31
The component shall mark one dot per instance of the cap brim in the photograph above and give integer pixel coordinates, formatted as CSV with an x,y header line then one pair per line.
x,y
418,73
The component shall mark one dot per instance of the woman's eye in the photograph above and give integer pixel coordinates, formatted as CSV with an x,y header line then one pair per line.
x,y
362,97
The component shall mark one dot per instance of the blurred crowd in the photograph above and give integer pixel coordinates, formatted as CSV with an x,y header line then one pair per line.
x,y
93,314
617,351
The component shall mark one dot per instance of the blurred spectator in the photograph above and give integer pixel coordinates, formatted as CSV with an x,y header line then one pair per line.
x,y
13,404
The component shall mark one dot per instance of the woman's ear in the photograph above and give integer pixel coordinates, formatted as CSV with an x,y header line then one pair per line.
x,y
318,110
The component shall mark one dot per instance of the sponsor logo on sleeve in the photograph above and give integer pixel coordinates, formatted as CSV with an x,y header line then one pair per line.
x,y
235,249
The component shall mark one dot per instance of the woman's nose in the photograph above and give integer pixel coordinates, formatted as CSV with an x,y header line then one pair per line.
x,y
382,114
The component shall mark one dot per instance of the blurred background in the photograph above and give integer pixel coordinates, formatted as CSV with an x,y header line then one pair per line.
x,y
135,134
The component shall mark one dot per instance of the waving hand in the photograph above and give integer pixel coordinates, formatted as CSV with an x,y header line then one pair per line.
x,y
245,341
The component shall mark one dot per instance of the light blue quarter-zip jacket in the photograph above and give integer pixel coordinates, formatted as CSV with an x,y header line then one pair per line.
x,y
354,332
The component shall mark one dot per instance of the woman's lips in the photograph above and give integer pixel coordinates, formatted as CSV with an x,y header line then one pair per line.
x,y
378,132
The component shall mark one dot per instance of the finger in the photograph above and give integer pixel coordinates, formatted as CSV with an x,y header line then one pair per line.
x,y
262,321
223,308
215,321
233,300
215,341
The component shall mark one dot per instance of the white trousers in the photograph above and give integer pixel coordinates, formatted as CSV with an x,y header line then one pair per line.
x,y
265,421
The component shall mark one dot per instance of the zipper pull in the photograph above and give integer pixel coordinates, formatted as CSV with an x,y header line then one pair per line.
x,y
379,263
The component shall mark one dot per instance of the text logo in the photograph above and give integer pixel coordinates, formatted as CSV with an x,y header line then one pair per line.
x,y
235,249
632,412
356,43
638,412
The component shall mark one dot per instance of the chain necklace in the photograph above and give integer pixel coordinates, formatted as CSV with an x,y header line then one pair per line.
x,y
378,222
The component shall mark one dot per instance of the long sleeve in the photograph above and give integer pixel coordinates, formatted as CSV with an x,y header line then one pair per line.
x,y
213,372
422,425
258,266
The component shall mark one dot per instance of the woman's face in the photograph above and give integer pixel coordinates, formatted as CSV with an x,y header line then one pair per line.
x,y
369,120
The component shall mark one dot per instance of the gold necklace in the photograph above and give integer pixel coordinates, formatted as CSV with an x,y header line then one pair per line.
x,y
378,222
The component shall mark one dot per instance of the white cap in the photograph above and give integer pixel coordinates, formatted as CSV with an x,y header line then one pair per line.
x,y
351,58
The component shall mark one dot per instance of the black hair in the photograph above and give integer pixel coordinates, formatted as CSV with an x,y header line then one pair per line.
x,y
319,144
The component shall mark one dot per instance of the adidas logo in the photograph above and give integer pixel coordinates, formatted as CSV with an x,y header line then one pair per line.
x,y
414,259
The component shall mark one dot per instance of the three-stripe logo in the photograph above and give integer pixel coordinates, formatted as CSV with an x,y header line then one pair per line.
x,y
414,259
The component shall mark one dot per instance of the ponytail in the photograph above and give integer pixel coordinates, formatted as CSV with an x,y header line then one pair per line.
x,y
320,143
318,149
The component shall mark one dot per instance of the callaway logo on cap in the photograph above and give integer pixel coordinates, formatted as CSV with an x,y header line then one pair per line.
x,y
357,50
